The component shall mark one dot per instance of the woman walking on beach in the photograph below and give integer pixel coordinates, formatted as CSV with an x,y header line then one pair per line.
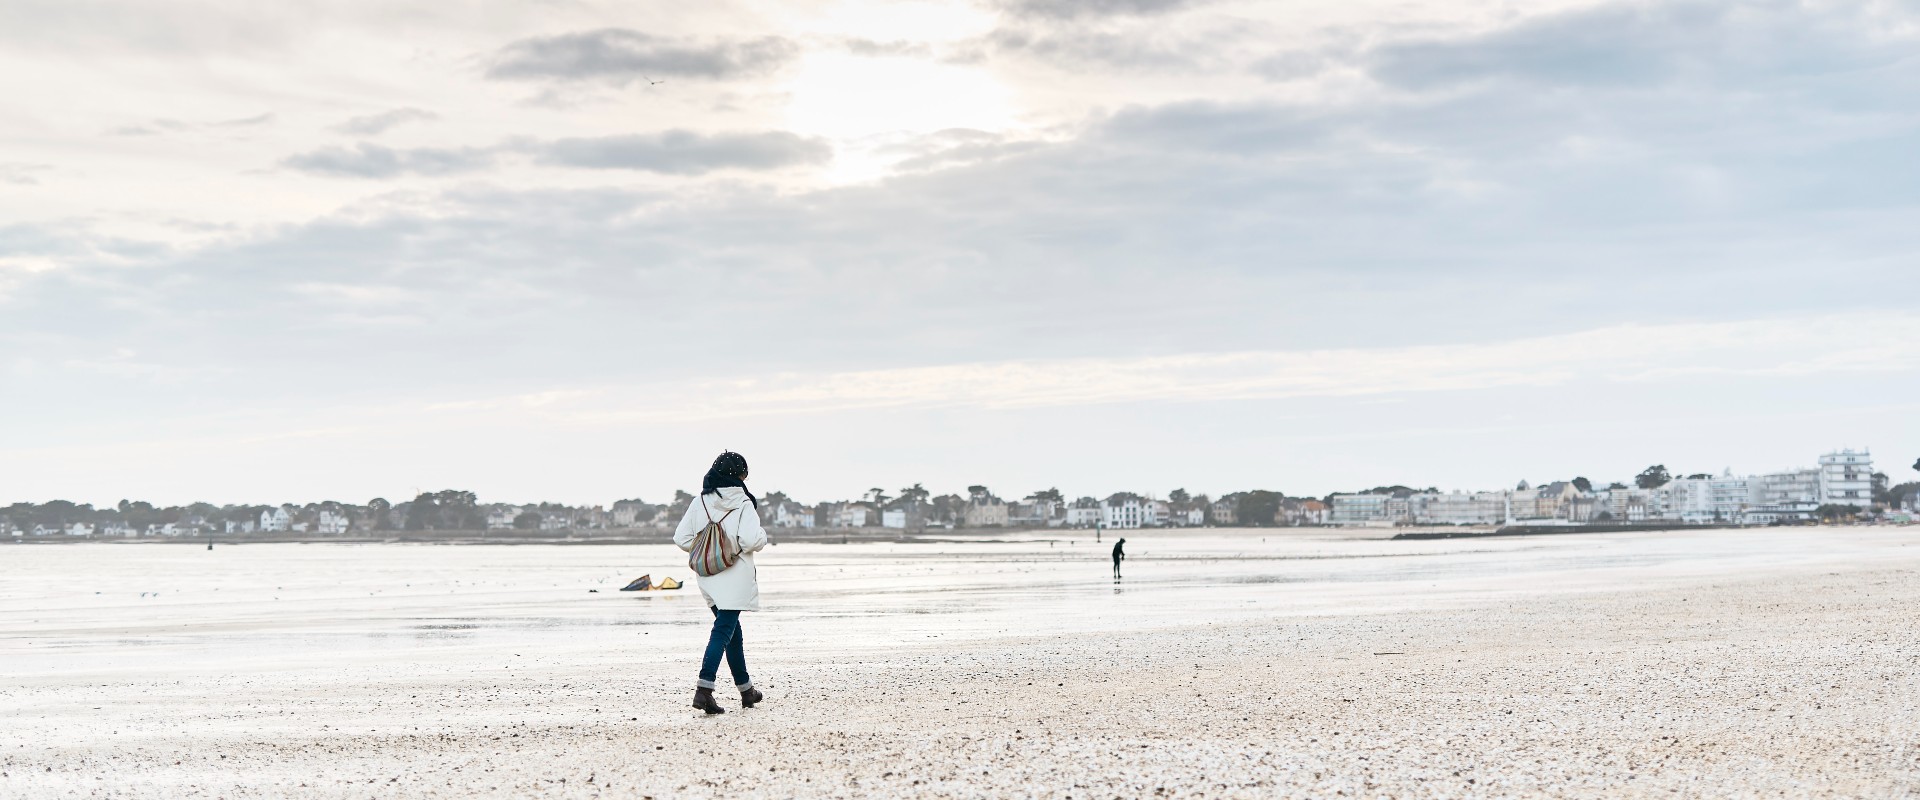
x,y
732,586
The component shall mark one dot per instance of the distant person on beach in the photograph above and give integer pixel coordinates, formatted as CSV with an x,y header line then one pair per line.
x,y
1119,555
723,503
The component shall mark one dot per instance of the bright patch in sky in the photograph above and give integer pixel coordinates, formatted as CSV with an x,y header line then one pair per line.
x,y
851,97
920,22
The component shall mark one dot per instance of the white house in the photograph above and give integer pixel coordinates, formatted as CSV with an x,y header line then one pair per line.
x,y
275,519
790,514
853,515
1124,511
500,518
1084,513
626,513
332,522
984,511
79,529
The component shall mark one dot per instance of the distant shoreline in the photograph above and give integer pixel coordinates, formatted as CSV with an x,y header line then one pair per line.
x,y
632,536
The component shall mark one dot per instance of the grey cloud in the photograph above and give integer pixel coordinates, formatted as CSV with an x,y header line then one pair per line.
x,y
680,152
955,147
672,152
150,128
367,160
1628,45
621,56
157,126
1077,9
22,174
376,124
1226,129
1455,215
244,122
1107,49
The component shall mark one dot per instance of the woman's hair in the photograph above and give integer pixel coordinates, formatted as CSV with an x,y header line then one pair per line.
x,y
730,469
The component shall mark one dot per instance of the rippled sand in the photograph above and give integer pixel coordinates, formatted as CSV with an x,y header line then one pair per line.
x,y
1778,662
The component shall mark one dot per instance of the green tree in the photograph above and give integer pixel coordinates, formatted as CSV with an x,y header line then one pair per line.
x,y
1258,507
1834,513
1051,495
421,513
1179,498
915,494
378,511
1583,484
527,521
1653,477
458,510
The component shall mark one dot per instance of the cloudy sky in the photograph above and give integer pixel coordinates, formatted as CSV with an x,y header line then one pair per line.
x,y
568,249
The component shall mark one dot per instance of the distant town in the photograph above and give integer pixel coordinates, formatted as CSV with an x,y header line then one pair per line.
x,y
1840,485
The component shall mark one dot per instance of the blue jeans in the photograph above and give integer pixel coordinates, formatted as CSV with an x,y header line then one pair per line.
x,y
725,639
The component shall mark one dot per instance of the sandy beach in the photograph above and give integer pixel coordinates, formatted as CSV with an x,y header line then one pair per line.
x,y
1774,662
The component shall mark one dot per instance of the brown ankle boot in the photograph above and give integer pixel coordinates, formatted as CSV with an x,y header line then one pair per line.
x,y
749,696
703,700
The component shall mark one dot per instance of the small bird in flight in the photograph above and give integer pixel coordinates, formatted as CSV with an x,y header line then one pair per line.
x,y
651,81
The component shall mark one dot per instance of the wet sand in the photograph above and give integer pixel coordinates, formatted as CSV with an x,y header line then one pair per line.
x,y
1724,663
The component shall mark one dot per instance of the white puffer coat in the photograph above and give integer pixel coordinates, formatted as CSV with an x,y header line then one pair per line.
x,y
737,588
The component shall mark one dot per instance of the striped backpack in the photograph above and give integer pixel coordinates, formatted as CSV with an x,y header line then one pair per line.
x,y
713,551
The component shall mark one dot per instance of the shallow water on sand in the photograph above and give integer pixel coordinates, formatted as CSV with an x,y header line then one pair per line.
x,y
98,609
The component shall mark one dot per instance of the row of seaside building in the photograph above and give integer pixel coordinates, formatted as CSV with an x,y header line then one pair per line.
x,y
1843,478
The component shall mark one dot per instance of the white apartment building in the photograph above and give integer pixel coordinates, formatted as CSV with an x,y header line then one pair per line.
x,y
1846,478
1732,497
1688,500
1460,508
1794,487
1361,509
